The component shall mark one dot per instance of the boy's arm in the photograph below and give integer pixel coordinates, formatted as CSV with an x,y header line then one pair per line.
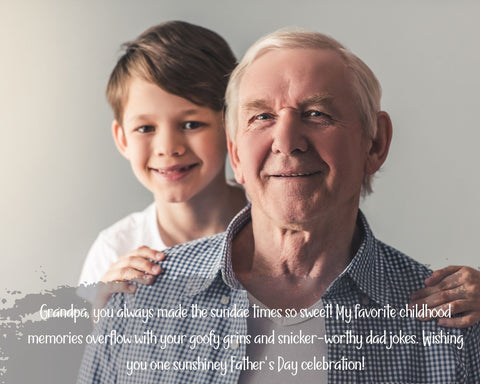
x,y
138,266
106,272
456,286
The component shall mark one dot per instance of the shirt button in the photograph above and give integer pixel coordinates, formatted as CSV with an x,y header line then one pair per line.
x,y
234,344
365,300
224,300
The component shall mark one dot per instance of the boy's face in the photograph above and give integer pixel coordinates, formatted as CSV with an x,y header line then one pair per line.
x,y
176,148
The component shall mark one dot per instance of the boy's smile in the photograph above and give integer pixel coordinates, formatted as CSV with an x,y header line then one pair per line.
x,y
176,148
175,172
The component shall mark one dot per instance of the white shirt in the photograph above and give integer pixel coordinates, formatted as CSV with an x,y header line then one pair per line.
x,y
282,360
136,230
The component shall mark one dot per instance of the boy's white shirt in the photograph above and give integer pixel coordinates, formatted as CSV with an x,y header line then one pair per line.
x,y
133,231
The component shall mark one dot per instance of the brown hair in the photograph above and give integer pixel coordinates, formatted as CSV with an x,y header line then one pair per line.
x,y
182,58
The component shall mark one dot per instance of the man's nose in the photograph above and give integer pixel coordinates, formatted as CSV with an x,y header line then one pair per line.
x,y
169,142
288,135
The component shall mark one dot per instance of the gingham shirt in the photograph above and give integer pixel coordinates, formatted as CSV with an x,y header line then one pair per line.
x,y
200,272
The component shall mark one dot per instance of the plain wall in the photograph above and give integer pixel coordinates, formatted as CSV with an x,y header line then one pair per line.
x,y
63,180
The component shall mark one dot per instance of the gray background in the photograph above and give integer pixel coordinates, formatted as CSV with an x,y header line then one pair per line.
x,y
63,181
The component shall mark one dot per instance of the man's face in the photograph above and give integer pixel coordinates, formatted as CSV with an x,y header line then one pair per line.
x,y
300,148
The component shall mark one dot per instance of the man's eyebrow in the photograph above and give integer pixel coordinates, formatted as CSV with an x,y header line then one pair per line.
x,y
255,104
319,99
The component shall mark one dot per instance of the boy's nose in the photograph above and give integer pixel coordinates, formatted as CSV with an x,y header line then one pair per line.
x,y
169,142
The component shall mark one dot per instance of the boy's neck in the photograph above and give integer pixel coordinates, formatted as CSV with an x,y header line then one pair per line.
x,y
200,216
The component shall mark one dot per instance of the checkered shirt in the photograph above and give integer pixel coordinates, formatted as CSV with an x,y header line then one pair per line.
x,y
200,272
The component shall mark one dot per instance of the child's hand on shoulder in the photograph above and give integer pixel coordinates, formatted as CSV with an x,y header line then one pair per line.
x,y
138,266
455,286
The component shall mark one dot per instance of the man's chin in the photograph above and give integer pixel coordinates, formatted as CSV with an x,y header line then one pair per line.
x,y
296,216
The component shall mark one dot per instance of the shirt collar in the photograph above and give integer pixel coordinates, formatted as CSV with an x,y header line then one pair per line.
x,y
217,259
240,220
367,270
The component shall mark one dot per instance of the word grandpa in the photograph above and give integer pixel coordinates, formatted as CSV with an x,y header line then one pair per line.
x,y
72,312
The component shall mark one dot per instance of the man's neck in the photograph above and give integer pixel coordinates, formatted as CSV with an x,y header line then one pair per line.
x,y
285,267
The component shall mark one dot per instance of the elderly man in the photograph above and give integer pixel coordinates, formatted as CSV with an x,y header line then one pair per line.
x,y
326,301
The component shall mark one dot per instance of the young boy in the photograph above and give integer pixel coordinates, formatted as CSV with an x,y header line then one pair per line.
x,y
167,95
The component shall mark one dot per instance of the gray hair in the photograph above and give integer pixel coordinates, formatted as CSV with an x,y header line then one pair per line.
x,y
366,85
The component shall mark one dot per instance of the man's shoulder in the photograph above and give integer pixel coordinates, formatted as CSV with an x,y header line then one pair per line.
x,y
383,272
196,257
386,260
399,262
188,269
402,273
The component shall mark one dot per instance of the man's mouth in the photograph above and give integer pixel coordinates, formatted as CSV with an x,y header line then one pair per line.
x,y
296,174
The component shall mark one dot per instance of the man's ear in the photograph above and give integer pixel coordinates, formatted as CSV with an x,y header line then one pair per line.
x,y
234,159
380,143
119,138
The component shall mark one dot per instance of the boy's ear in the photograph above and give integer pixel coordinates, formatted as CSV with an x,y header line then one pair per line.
x,y
234,159
380,143
119,138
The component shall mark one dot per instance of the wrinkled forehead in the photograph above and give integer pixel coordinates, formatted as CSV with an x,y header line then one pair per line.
x,y
287,76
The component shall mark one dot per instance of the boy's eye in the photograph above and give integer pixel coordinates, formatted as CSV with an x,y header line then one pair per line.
x,y
192,125
146,129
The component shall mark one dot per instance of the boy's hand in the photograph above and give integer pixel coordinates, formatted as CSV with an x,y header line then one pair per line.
x,y
456,286
138,266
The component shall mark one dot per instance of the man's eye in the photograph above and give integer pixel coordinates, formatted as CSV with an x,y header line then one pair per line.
x,y
314,113
260,120
263,116
192,125
146,129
